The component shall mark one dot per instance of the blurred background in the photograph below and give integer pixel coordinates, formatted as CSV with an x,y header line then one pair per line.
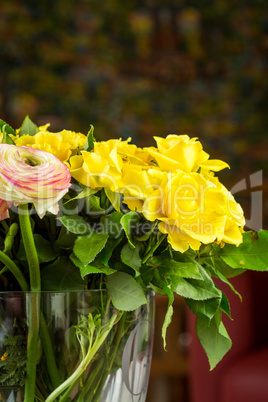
x,y
145,68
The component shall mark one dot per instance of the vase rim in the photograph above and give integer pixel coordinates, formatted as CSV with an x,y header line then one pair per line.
x,y
21,292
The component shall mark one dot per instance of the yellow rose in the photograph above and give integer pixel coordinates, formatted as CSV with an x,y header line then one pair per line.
x,y
61,144
75,140
193,210
135,185
184,153
133,154
99,168
45,141
105,165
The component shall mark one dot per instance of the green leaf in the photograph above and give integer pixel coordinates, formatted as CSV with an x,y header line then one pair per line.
x,y
169,313
195,289
44,249
66,239
75,224
107,252
147,273
218,272
121,267
28,127
61,275
205,309
90,269
89,145
92,204
147,230
4,127
251,254
129,222
85,192
170,267
126,293
87,247
214,339
218,264
6,130
131,256
112,226
225,306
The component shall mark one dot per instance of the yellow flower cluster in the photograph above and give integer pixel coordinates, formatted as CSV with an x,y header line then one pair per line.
x,y
4,356
62,144
173,183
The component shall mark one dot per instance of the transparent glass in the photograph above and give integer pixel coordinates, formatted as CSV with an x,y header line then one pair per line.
x,y
87,351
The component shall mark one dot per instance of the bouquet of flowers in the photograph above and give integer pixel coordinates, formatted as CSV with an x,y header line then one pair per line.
x,y
80,214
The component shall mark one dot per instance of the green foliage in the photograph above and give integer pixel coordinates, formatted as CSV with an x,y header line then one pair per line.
x,y
6,130
194,288
131,256
206,309
28,127
75,224
14,358
129,222
90,269
61,275
169,313
251,254
214,339
87,247
89,145
125,292
169,267
101,243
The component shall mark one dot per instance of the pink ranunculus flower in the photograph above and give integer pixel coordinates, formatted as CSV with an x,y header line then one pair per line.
x,y
29,175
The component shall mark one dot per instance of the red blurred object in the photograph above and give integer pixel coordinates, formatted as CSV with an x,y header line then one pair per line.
x,y
242,375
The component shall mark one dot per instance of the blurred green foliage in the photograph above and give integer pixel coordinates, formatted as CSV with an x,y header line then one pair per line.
x,y
142,68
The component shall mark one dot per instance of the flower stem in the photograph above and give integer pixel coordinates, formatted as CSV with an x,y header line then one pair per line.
x,y
49,354
30,249
85,362
95,372
14,269
35,283
32,344
150,250
94,386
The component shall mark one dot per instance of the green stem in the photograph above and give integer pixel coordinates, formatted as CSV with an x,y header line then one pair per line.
x,y
49,354
100,385
35,282
151,251
94,373
84,363
30,249
95,387
119,335
32,344
14,269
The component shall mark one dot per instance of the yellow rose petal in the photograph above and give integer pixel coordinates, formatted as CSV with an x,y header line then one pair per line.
x,y
214,164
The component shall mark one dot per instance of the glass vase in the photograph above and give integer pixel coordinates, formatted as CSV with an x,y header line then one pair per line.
x,y
73,346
